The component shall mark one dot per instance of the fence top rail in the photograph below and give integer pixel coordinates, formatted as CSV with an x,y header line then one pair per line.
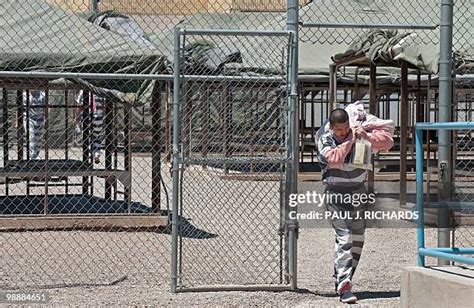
x,y
368,26
230,32
444,125
162,77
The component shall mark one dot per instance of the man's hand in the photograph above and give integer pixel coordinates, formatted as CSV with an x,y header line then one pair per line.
x,y
359,132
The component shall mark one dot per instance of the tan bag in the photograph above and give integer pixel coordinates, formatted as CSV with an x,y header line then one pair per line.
x,y
361,156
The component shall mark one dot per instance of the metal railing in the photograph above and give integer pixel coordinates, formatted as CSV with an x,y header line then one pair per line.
x,y
454,254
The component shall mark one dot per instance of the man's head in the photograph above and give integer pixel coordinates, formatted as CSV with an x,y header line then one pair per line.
x,y
339,123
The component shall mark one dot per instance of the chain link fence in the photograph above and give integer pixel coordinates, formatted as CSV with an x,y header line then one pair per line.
x,y
322,20
364,12
459,195
85,178
463,94
463,220
79,178
86,132
234,139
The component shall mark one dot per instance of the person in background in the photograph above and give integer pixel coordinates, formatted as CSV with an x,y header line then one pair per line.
x,y
34,124
97,120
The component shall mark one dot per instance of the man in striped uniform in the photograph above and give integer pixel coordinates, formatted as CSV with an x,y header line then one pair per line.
x,y
334,149
97,121
34,123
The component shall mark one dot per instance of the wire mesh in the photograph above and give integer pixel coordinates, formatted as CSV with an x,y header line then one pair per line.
x,y
52,183
463,94
233,136
79,175
366,12
463,233
464,190
84,161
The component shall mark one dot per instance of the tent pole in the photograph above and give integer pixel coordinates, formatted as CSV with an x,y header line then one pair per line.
x,y
332,86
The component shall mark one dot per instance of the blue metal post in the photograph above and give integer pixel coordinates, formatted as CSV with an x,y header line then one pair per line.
x,y
456,251
419,193
448,256
443,254
445,125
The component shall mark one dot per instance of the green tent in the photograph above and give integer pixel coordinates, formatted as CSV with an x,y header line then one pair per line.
x,y
317,46
35,36
314,59
421,48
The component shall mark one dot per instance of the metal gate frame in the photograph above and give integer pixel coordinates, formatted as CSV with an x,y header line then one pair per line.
x,y
289,226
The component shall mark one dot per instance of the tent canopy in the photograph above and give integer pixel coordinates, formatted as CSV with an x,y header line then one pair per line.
x,y
35,36
318,46
313,58
418,47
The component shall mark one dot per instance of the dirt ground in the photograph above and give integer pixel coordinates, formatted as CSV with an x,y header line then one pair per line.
x,y
101,282
133,268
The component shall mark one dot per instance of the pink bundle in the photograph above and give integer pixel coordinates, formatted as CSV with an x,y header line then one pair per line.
x,y
380,131
358,117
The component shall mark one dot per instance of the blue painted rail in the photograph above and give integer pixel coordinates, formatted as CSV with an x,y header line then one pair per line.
x,y
453,254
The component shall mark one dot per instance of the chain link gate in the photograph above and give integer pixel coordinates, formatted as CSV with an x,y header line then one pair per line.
x,y
462,234
231,159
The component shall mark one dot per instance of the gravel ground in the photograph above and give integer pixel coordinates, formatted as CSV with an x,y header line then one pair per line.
x,y
100,268
377,282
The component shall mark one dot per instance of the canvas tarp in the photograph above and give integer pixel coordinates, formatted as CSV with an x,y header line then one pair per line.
x,y
315,52
35,36
314,59
123,25
399,12
388,47
419,47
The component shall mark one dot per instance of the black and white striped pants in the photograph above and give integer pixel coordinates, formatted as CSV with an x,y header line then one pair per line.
x,y
349,226
35,130
97,120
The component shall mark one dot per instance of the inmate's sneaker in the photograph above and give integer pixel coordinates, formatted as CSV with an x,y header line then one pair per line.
x,y
346,295
348,298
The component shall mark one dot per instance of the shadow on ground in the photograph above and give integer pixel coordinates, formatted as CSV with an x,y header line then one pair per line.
x,y
360,295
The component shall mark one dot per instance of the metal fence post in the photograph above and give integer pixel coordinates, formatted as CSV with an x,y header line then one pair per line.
x,y
292,172
175,149
445,98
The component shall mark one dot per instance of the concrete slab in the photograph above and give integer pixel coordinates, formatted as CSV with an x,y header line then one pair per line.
x,y
447,286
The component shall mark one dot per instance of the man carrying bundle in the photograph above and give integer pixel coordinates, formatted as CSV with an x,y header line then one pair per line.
x,y
344,172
